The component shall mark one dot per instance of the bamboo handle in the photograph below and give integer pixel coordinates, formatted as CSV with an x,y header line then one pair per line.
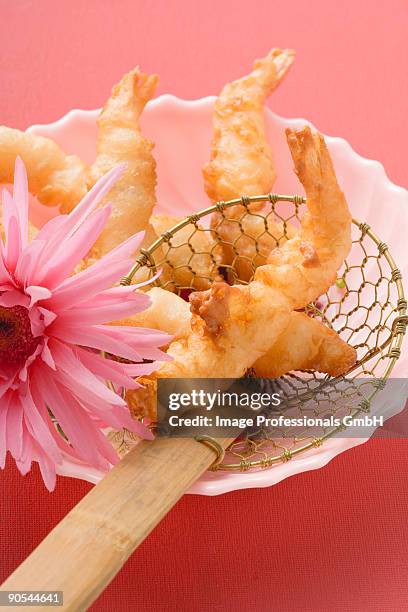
x,y
84,552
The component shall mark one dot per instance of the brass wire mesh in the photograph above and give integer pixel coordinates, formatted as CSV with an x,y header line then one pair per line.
x,y
366,307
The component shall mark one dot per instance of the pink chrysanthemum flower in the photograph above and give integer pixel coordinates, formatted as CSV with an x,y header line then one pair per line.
x,y
53,328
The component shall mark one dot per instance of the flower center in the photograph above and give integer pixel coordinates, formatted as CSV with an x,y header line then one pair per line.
x,y
16,340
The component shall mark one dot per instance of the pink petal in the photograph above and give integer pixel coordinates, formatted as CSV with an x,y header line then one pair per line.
x,y
105,313
114,295
14,432
107,369
47,469
10,213
88,398
39,402
37,294
144,341
14,298
101,275
8,209
63,262
23,372
8,379
140,369
13,245
106,453
50,229
23,463
20,197
39,430
64,230
93,338
75,423
47,315
34,452
47,357
37,322
28,262
3,439
66,361
87,283
117,416
94,196
4,275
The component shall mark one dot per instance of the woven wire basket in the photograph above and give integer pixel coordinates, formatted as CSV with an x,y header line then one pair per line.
x,y
366,307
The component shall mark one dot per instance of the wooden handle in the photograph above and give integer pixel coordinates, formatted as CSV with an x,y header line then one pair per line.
x,y
88,547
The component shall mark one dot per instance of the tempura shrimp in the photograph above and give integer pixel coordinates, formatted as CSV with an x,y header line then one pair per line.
x,y
60,179
191,256
305,266
241,159
53,176
167,312
306,344
233,327
247,238
120,140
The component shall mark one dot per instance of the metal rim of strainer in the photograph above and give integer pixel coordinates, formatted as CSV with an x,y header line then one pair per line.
x,y
394,341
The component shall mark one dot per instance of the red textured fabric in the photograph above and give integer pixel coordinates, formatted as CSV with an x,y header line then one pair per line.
x,y
336,539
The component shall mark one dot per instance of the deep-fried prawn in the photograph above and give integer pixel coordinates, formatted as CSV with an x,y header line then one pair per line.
x,y
167,312
306,344
233,327
247,238
53,176
191,256
305,266
120,141
241,159
60,179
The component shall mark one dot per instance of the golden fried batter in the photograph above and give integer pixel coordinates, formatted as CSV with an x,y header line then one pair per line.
x,y
191,255
120,141
234,327
306,344
53,176
247,238
241,159
167,311
237,331
305,267
60,179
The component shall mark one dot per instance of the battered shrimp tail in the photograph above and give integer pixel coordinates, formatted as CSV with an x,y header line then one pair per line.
x,y
127,101
241,160
120,141
268,72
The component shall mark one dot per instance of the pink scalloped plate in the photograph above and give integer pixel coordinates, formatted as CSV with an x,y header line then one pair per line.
x,y
181,130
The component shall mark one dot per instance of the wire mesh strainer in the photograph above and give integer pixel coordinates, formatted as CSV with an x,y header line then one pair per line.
x,y
366,307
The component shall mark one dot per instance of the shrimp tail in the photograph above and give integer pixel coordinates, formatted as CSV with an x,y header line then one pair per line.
x,y
127,101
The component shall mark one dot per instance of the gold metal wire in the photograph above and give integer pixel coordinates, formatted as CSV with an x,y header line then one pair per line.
x,y
367,306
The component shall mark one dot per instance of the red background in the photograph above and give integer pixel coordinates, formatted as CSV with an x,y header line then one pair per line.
x,y
333,539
